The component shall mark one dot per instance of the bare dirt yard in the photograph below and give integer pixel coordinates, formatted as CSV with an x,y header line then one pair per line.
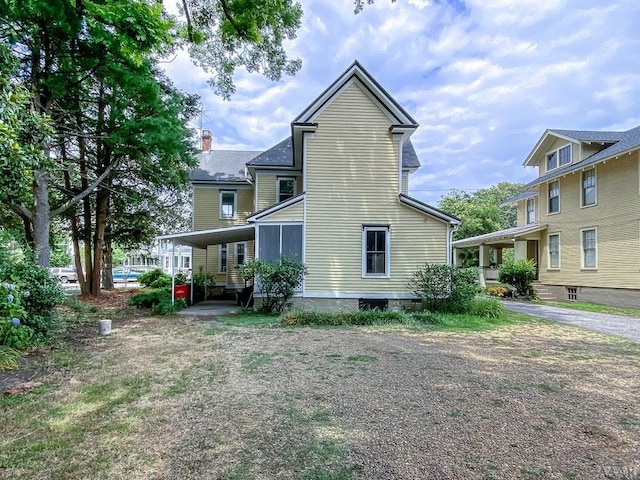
x,y
183,398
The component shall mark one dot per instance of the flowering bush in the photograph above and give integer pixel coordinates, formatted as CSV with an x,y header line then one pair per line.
x,y
13,331
499,291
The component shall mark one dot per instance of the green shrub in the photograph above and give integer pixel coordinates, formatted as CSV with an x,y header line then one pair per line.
x,y
28,297
165,307
203,284
157,275
444,288
149,299
519,274
487,308
276,281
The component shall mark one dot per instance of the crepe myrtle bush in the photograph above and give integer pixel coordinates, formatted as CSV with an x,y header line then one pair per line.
x,y
444,288
277,281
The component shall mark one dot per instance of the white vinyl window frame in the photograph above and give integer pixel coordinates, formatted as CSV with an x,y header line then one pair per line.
x,y
367,253
240,253
553,247
279,193
588,188
228,209
223,258
589,248
558,157
553,191
531,211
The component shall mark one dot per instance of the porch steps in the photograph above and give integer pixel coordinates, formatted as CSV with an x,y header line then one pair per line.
x,y
542,292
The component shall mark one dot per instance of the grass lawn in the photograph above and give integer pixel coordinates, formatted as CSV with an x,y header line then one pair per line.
x,y
244,398
592,307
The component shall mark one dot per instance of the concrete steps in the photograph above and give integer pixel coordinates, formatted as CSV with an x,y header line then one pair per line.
x,y
542,292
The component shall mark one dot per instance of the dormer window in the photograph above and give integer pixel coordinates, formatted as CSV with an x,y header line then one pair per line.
x,y
559,157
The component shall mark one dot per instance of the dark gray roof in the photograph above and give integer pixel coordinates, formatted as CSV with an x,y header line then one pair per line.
x,y
281,155
590,135
520,196
222,166
627,141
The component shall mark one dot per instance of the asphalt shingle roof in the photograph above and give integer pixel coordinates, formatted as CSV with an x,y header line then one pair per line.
x,y
626,141
222,166
281,155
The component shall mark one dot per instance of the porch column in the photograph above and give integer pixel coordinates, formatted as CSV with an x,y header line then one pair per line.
x,y
485,257
499,256
457,257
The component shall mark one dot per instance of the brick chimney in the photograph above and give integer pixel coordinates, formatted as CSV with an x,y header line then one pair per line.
x,y
206,140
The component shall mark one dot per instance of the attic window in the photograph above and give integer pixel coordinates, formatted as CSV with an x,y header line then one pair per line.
x,y
286,188
559,157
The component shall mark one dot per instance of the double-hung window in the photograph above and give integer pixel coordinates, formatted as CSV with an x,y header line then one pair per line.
x,y
376,248
222,258
531,211
554,197
241,253
228,204
554,250
559,157
589,248
286,188
589,187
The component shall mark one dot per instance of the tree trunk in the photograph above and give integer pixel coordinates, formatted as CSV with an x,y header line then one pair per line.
x,y
102,203
41,223
107,272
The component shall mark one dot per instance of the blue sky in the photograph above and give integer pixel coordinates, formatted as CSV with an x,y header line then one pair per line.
x,y
483,78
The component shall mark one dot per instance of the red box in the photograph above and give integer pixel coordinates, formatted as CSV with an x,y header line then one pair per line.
x,y
181,291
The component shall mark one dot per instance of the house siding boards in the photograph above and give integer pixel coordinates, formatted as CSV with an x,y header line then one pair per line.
x,y
267,186
616,216
294,213
352,173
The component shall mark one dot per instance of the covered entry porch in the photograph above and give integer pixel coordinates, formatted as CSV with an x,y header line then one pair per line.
x,y
524,240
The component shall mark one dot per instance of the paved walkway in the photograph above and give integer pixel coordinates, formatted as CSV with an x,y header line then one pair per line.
x,y
620,325
211,308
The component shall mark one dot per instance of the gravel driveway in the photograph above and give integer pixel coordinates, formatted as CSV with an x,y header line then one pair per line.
x,y
620,325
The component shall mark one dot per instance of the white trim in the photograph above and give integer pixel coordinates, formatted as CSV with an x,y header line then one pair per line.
x,y
286,178
235,205
226,270
398,137
549,212
389,295
276,208
235,253
582,258
595,186
549,267
424,208
387,253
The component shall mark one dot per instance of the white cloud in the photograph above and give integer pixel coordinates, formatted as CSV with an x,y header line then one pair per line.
x,y
484,78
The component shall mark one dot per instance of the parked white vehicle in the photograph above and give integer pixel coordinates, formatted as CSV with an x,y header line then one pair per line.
x,y
65,275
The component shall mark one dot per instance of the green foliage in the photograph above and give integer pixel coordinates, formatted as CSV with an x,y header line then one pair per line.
x,y
28,297
480,212
155,278
500,291
276,281
361,317
444,288
519,274
8,358
165,307
487,308
150,298
203,284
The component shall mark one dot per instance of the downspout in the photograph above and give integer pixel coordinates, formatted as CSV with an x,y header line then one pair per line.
x,y
452,229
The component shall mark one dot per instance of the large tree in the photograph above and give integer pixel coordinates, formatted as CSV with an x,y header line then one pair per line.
x,y
119,129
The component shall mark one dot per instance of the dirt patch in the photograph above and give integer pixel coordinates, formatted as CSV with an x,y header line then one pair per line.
x,y
181,398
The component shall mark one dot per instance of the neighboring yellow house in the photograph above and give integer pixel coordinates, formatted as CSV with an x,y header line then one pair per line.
x,y
580,219
333,195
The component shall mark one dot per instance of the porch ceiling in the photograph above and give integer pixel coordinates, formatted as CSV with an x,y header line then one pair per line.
x,y
204,238
501,238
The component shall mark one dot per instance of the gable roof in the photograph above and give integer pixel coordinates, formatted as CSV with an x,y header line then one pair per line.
x,y
357,72
626,142
222,166
281,155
